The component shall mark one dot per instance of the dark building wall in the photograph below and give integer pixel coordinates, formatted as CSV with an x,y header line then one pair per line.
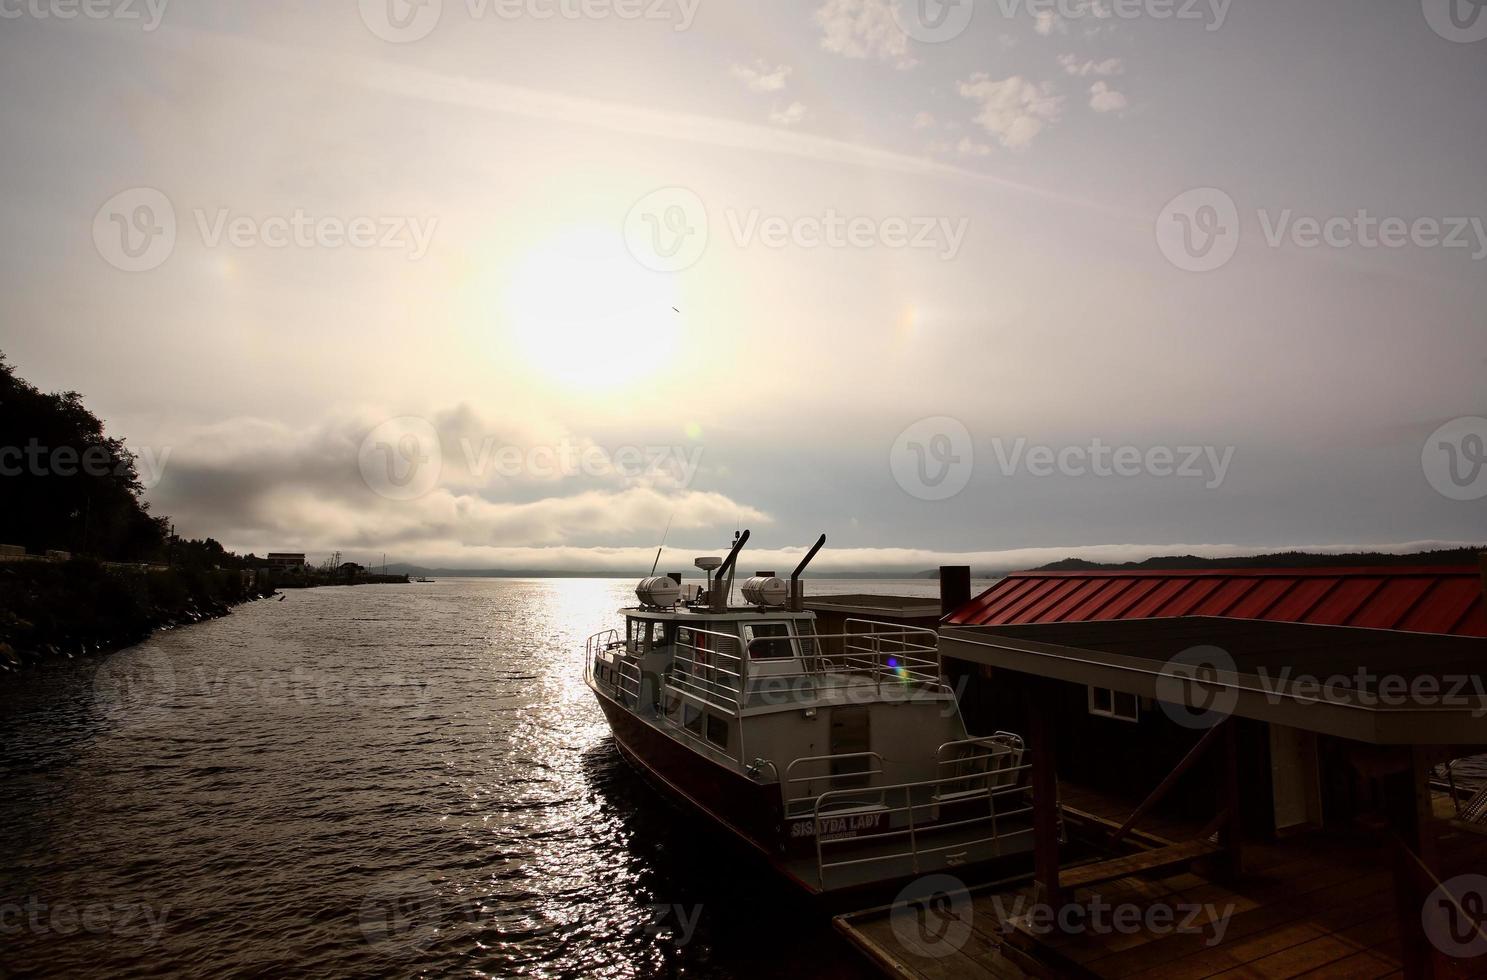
x,y
1122,759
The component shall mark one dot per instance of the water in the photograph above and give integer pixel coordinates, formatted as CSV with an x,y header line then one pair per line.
x,y
386,780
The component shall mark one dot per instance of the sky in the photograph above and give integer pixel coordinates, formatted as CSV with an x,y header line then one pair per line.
x,y
532,283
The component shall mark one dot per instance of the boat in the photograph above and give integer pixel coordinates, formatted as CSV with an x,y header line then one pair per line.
x,y
842,758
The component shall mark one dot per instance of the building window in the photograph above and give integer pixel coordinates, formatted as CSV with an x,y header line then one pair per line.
x,y
1105,703
717,731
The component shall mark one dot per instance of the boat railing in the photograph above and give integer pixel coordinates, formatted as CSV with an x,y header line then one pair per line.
x,y
629,684
929,817
709,666
901,656
855,779
992,761
600,642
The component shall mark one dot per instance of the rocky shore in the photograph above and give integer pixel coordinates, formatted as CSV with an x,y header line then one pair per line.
x,y
80,608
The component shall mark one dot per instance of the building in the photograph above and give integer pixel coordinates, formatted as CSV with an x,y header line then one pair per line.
x,y
1298,708
286,560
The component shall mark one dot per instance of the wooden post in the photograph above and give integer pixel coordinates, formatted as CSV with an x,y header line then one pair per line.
x,y
1407,799
1231,833
1038,694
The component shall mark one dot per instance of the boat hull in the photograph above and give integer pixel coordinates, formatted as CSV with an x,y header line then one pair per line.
x,y
754,812
749,810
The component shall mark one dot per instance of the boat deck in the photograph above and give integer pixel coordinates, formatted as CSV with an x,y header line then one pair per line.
x,y
1313,905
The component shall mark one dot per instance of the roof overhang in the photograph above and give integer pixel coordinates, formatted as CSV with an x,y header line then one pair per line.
x,y
1380,687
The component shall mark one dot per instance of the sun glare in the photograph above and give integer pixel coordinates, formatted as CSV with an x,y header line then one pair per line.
x,y
587,315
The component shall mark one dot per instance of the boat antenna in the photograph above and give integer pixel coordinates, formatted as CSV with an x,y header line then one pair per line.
x,y
663,543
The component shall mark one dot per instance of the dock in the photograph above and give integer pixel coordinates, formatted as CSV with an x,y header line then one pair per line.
x,y
1313,905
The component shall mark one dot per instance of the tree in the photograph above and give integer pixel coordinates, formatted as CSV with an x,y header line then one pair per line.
x,y
64,483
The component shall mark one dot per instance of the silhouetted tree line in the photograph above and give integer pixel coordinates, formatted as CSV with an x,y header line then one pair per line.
x,y
68,486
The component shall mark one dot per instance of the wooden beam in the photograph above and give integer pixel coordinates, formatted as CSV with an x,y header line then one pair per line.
x,y
1171,856
1231,832
1407,802
1039,698
1157,795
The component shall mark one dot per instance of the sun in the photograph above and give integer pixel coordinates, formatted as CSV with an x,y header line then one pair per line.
x,y
585,314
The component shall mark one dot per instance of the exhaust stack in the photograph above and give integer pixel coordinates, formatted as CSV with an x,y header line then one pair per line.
x,y
718,597
797,591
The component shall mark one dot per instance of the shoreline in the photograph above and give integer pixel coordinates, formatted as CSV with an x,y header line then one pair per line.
x,y
66,610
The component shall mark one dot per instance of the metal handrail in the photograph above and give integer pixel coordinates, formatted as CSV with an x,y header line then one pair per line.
x,y
911,829
627,668
828,777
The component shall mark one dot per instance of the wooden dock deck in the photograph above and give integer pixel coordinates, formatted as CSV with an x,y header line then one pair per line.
x,y
1317,906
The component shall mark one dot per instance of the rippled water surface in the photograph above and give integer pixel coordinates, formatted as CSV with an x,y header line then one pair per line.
x,y
380,781
386,780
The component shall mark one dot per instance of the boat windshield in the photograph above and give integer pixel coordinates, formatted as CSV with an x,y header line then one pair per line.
x,y
771,641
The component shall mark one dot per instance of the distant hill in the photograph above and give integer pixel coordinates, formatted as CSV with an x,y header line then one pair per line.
x,y
1285,559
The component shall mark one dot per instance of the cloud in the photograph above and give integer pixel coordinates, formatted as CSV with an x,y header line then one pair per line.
x,y
1015,110
259,486
1073,66
970,148
759,77
1103,98
864,29
924,120
1045,22
788,116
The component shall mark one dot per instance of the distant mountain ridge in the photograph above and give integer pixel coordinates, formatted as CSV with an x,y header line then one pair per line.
x,y
1285,559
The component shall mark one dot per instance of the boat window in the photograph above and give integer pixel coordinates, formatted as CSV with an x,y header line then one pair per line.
x,y
1105,703
769,641
717,731
692,719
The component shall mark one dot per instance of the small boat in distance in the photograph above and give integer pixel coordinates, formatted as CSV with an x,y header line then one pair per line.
x,y
843,758
423,578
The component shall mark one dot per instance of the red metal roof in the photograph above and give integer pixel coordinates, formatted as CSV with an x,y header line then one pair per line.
x,y
1420,600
